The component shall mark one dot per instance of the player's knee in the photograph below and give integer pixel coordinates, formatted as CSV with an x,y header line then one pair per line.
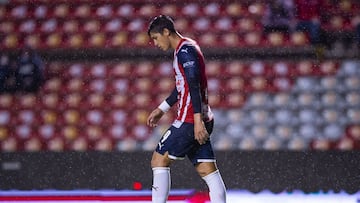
x,y
204,173
205,169
159,160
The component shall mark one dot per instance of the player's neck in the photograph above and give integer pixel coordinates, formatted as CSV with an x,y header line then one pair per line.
x,y
175,39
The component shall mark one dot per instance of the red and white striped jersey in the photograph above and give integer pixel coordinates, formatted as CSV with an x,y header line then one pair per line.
x,y
188,59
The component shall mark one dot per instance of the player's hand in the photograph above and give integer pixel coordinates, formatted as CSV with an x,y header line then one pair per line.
x,y
154,117
200,132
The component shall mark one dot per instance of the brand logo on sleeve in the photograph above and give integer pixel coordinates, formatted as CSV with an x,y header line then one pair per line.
x,y
189,63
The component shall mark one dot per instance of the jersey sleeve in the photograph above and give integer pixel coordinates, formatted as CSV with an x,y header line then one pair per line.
x,y
172,98
188,58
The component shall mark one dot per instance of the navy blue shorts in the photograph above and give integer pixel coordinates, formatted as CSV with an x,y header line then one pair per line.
x,y
180,142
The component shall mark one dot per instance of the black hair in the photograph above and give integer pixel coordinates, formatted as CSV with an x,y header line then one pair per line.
x,y
159,23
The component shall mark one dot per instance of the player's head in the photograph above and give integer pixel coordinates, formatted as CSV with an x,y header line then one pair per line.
x,y
160,23
160,30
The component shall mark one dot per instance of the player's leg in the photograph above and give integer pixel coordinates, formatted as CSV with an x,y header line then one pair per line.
x,y
204,161
167,150
211,175
161,177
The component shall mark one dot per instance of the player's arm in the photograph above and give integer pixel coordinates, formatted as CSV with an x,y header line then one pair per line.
x,y
156,114
189,61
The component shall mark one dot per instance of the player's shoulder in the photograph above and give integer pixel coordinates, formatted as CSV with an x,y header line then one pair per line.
x,y
187,48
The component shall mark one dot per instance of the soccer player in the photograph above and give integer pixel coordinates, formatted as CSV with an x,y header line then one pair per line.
x,y
189,133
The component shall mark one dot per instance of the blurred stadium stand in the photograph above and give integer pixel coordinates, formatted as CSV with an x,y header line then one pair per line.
x,y
287,112
100,86
271,105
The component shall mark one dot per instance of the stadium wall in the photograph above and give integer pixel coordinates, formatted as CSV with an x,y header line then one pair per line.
x,y
278,171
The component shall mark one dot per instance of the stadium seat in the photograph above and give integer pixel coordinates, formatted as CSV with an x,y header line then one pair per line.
x,y
232,68
33,144
234,100
95,100
299,39
353,114
50,100
54,18
27,116
345,144
127,145
94,116
281,69
41,12
4,132
79,144
306,99
6,100
332,115
272,143
95,86
75,85
353,132
48,117
215,100
118,101
352,82
234,84
282,100
248,143
297,144
235,9
224,143
352,99
258,83
104,144
93,132
284,132
19,11
23,131
309,131
280,84
329,83
284,116
105,11
10,144
304,67
253,39
332,132
169,9
27,101
46,131
147,10
117,132
306,84
213,69
259,100
260,132
229,40
259,117
71,117
56,144
307,116
224,24
5,117
321,144
214,85
140,132
276,39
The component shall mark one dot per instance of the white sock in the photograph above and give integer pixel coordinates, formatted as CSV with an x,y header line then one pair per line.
x,y
216,187
161,184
